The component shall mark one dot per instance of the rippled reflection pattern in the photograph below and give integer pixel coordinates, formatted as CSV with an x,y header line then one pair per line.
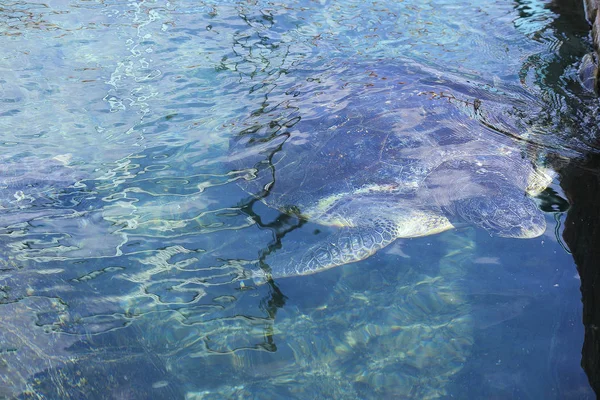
x,y
127,241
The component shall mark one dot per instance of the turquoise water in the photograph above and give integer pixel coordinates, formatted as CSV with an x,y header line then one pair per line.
x,y
127,242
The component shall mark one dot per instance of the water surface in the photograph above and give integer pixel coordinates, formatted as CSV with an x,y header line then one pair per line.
x,y
127,242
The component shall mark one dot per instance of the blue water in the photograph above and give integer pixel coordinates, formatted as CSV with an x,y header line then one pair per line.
x,y
126,243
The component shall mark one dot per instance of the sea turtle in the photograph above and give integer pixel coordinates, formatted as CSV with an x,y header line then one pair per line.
x,y
393,150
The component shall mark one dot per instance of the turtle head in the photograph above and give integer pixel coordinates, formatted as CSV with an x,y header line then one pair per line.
x,y
507,213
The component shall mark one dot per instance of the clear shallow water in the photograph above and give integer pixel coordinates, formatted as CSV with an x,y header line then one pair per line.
x,y
126,241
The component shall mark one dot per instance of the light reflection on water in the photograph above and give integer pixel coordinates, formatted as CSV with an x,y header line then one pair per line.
x,y
126,242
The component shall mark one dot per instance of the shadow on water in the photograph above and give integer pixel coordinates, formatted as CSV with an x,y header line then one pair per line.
x,y
275,298
581,183
580,179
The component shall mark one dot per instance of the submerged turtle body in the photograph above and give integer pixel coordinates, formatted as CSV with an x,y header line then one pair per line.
x,y
395,152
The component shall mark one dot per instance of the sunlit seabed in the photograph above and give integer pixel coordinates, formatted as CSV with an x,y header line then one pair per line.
x,y
126,243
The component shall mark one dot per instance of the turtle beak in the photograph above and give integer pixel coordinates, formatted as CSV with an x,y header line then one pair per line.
x,y
532,226
533,230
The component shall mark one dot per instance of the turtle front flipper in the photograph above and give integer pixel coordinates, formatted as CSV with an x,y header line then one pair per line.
x,y
346,246
350,244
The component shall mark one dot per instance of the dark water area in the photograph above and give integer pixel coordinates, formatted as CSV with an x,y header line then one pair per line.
x,y
178,180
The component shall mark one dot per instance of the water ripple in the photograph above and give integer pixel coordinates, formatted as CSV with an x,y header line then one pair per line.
x,y
130,232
